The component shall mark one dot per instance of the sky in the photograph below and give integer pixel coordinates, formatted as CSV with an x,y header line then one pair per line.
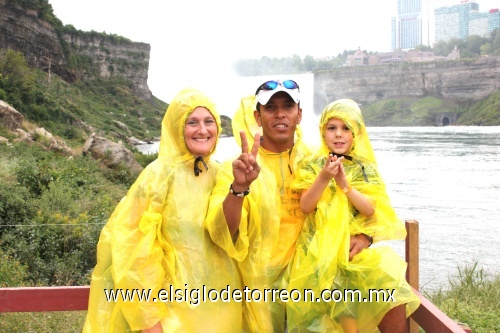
x,y
196,42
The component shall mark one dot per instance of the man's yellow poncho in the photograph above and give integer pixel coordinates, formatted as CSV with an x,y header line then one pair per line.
x,y
322,256
155,240
270,224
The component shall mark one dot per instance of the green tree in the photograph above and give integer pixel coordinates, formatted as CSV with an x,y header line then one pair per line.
x,y
486,49
16,78
309,63
473,45
495,41
441,48
423,48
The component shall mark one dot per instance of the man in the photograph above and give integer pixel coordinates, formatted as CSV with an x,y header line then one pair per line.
x,y
254,215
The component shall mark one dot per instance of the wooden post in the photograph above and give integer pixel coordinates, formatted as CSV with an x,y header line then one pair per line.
x,y
411,254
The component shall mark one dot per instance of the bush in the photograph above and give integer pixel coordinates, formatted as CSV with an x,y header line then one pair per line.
x,y
12,273
56,249
16,206
3,94
35,171
145,159
55,211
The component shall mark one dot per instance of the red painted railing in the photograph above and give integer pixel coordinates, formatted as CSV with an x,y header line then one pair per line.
x,y
39,299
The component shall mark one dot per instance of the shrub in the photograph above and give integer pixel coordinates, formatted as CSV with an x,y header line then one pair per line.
x,y
12,273
35,172
56,211
16,206
145,159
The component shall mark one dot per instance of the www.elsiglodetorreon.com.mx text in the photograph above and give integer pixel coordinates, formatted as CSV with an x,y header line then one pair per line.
x,y
195,296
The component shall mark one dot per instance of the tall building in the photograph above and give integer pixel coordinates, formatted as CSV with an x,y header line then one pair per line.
x,y
453,22
493,19
464,20
478,24
412,25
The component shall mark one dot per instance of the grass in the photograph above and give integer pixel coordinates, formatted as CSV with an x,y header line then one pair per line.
x,y
35,322
472,297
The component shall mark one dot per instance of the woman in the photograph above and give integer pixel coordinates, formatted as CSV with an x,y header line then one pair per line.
x,y
155,240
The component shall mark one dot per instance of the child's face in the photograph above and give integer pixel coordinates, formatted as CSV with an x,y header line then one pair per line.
x,y
338,136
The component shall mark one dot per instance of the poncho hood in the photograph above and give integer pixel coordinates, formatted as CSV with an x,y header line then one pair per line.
x,y
349,112
172,143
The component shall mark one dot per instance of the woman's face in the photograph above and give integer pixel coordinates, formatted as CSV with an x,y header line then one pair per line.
x,y
200,132
338,137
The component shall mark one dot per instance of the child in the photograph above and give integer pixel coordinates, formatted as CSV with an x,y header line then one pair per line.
x,y
348,209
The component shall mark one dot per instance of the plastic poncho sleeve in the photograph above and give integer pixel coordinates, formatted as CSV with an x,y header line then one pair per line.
x,y
130,258
216,223
137,251
104,316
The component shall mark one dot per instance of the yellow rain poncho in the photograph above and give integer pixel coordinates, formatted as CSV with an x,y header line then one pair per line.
x,y
155,240
322,261
270,224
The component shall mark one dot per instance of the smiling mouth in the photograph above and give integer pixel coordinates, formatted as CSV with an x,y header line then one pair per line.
x,y
201,139
281,126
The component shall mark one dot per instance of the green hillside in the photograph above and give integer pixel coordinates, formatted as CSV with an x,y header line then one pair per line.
x,y
71,111
411,111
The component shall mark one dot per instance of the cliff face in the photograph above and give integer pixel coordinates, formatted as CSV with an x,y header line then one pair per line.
x,y
74,55
22,31
111,58
455,80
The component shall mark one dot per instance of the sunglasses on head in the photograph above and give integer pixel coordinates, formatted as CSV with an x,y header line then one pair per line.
x,y
273,84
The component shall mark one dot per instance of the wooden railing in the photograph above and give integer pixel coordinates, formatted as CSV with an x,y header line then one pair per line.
x,y
39,299
427,316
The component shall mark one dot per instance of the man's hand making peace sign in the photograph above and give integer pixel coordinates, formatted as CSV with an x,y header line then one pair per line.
x,y
245,167
245,171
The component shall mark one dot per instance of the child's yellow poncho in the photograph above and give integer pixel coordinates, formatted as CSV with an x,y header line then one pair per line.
x,y
322,256
155,240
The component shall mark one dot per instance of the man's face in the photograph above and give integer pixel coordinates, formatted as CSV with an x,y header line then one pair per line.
x,y
279,119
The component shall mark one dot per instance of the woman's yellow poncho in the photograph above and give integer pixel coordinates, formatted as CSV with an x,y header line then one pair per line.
x,y
155,240
322,256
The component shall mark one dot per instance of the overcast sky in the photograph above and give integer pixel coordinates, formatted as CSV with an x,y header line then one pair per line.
x,y
195,42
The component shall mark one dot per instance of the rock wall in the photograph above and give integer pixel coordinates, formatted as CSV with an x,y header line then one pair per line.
x,y
21,30
113,58
460,80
